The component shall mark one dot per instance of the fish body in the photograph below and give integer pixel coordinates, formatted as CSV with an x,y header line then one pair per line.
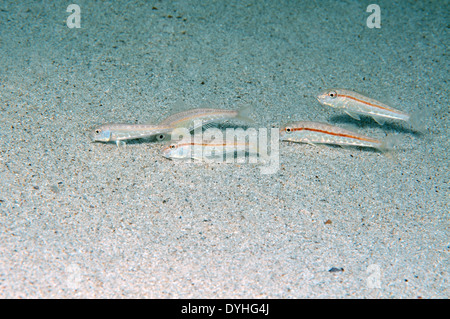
x,y
188,118
322,133
119,132
355,104
206,150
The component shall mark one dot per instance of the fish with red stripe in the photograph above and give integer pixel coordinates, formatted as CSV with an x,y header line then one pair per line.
x,y
322,133
356,104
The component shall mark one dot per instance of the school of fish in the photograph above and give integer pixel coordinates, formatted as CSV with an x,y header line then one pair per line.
x,y
352,103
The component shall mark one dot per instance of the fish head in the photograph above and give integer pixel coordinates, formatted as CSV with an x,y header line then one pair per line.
x,y
286,131
100,134
330,98
292,131
176,151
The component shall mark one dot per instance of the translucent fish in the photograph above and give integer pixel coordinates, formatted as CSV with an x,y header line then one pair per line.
x,y
355,104
119,133
322,133
211,150
186,118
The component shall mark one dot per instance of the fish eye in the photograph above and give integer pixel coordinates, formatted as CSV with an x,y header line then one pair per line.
x,y
288,129
332,94
172,146
160,137
98,131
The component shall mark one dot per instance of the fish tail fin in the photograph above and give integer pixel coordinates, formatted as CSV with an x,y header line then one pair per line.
x,y
389,143
244,114
419,119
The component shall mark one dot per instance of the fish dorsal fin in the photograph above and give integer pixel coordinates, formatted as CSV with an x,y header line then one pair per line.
x,y
353,115
244,114
179,106
176,107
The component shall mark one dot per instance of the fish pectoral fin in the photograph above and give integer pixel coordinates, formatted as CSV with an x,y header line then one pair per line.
x,y
121,143
313,144
379,120
197,159
353,115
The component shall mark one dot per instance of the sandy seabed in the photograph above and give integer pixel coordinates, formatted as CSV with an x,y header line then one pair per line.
x,y
89,220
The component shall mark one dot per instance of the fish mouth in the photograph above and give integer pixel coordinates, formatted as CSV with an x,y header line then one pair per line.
x,y
320,98
165,155
165,152
282,132
96,139
92,137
